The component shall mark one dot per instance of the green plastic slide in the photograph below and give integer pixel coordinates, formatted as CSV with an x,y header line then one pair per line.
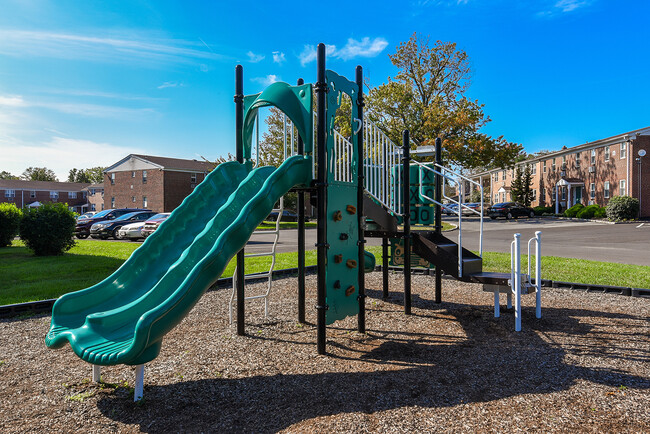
x,y
123,319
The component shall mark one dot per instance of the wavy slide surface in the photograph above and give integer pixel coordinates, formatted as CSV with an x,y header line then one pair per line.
x,y
124,318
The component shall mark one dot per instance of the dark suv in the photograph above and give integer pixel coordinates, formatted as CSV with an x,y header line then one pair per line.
x,y
82,230
109,228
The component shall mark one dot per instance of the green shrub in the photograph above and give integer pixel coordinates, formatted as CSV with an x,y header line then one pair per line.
x,y
48,229
574,210
9,223
588,212
541,210
600,213
622,208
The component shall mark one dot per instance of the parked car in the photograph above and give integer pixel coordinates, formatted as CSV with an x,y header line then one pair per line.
x,y
87,215
152,224
132,231
452,209
510,210
109,228
287,216
82,229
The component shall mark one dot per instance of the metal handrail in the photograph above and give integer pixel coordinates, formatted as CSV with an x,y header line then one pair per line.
x,y
538,271
445,174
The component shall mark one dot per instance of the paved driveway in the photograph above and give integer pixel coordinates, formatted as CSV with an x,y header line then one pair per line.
x,y
622,243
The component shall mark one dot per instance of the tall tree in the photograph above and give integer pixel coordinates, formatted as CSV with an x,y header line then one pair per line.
x,y
427,97
6,175
520,188
94,175
39,174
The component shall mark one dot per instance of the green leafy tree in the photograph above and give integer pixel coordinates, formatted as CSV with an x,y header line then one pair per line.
x,y
520,188
427,97
6,175
94,175
39,174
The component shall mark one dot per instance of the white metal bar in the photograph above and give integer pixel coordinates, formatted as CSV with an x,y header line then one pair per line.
x,y
538,274
97,373
517,282
139,383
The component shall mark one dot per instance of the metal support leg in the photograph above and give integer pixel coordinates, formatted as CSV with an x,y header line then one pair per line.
x,y
384,266
517,283
497,307
509,300
139,383
97,373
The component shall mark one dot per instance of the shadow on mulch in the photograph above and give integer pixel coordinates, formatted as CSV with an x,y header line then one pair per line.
x,y
432,372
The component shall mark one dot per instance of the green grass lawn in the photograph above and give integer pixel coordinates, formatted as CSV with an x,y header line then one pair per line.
x,y
284,225
25,277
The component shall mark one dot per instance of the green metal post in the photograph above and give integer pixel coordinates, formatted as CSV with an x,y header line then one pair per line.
x,y
321,242
361,318
239,143
438,212
406,160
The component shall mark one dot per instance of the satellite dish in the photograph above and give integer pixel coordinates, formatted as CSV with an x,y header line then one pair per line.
x,y
641,152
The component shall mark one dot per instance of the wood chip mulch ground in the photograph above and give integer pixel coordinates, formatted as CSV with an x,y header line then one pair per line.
x,y
453,367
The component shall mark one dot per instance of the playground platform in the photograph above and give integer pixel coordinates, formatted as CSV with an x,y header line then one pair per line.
x,y
450,367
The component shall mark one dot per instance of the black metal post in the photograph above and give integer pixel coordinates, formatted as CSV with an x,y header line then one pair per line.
x,y
384,266
406,160
301,238
361,318
438,217
321,243
239,153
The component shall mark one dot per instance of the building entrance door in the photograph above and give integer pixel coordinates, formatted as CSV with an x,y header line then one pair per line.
x,y
577,195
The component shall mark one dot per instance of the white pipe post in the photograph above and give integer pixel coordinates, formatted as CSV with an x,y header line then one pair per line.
x,y
497,308
97,373
139,383
538,274
517,283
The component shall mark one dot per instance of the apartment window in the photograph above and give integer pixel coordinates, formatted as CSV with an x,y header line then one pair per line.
x,y
92,207
112,202
577,160
592,191
32,194
144,176
606,153
72,195
542,193
622,187
533,169
102,206
534,196
54,195
563,162
133,174
144,202
553,164
606,189
112,178
133,199
593,157
10,193
553,194
496,197
193,178
544,166
623,150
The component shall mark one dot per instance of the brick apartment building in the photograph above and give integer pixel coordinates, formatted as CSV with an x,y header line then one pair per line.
x,y
95,196
33,193
156,183
590,173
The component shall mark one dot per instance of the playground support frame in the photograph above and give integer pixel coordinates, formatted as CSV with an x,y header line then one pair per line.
x,y
239,143
361,318
438,215
406,160
301,237
321,184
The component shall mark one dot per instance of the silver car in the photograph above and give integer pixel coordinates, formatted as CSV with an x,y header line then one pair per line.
x,y
132,231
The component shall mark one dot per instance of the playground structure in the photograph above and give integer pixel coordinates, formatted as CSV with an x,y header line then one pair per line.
x,y
363,189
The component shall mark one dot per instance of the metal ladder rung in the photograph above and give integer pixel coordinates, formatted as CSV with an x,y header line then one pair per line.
x,y
272,232
253,297
256,276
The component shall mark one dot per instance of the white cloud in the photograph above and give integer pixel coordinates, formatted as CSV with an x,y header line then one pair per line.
x,y
279,57
570,5
366,47
127,48
61,154
269,79
170,84
255,58
12,101
363,48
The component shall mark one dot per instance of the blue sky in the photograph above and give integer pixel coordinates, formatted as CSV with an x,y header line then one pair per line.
x,y
85,83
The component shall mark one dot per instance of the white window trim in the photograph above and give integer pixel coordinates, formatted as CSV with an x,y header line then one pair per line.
x,y
592,191
622,186
10,193
607,153
623,151
606,188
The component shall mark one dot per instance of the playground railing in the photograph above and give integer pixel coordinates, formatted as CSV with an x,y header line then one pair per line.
x,y
343,153
459,180
381,157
